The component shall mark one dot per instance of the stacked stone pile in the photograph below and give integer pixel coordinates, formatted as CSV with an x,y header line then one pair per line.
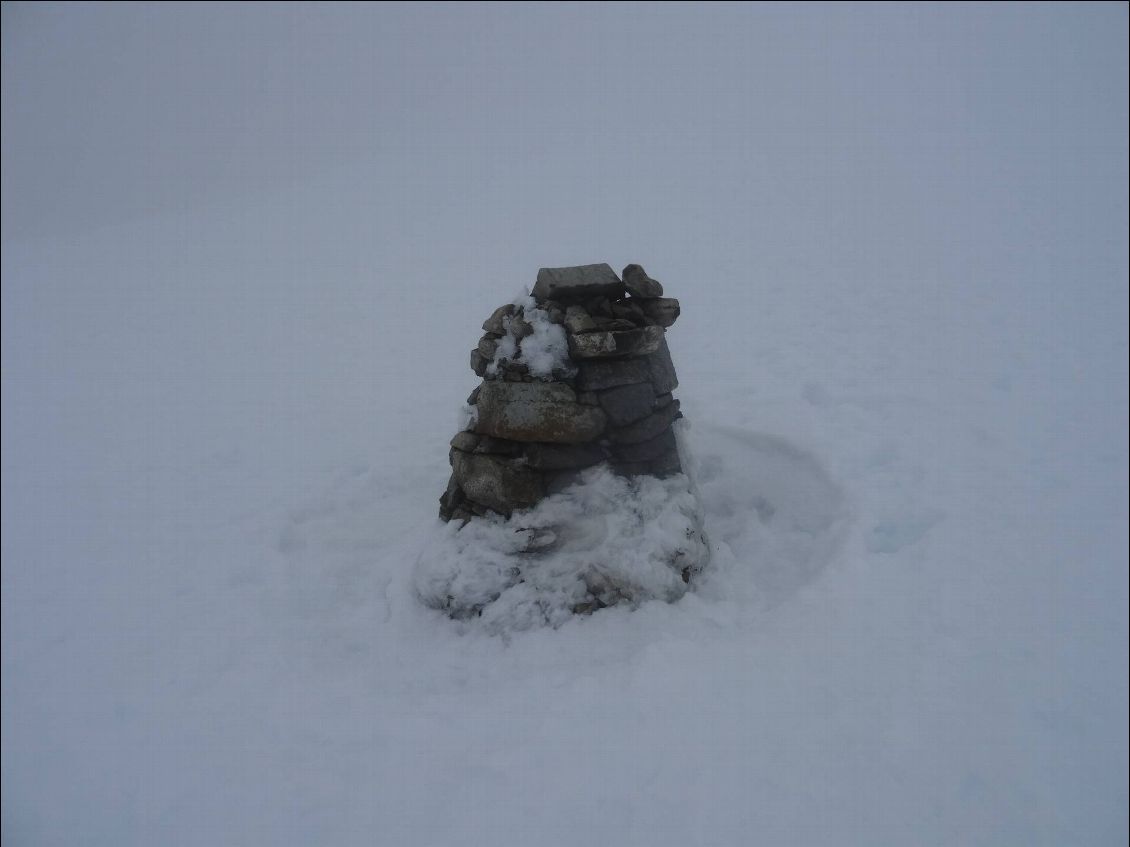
x,y
577,375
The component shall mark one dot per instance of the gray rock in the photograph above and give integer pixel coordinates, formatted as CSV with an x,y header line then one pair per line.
x,y
645,451
499,484
648,428
639,284
627,403
479,362
611,345
613,324
450,499
577,320
598,375
554,311
556,457
487,345
466,441
473,397
662,311
574,284
496,323
662,369
600,307
536,411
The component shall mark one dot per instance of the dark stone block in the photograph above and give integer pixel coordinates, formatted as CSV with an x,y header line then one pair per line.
x,y
627,403
648,428
555,457
645,451
576,284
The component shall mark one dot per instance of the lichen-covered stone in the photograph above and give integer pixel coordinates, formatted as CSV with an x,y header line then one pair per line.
x,y
496,323
611,345
537,411
577,283
627,403
499,484
487,345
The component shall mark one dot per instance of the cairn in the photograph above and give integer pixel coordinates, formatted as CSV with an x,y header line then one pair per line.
x,y
577,375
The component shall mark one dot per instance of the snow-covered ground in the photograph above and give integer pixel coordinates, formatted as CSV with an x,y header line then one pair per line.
x,y
246,253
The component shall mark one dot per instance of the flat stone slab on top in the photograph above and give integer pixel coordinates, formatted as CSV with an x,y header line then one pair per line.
x,y
577,283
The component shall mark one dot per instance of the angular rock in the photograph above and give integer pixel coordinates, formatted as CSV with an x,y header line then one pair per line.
x,y
648,428
598,375
639,284
479,362
577,283
536,411
556,457
474,395
645,451
496,323
577,320
662,369
627,403
466,441
662,311
611,345
498,484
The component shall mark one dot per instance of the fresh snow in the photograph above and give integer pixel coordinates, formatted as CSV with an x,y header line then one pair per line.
x,y
544,351
246,251
623,540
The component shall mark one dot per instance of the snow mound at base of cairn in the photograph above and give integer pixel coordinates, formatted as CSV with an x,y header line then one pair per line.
x,y
607,540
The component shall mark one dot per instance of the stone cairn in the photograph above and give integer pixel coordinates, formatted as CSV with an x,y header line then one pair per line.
x,y
538,419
